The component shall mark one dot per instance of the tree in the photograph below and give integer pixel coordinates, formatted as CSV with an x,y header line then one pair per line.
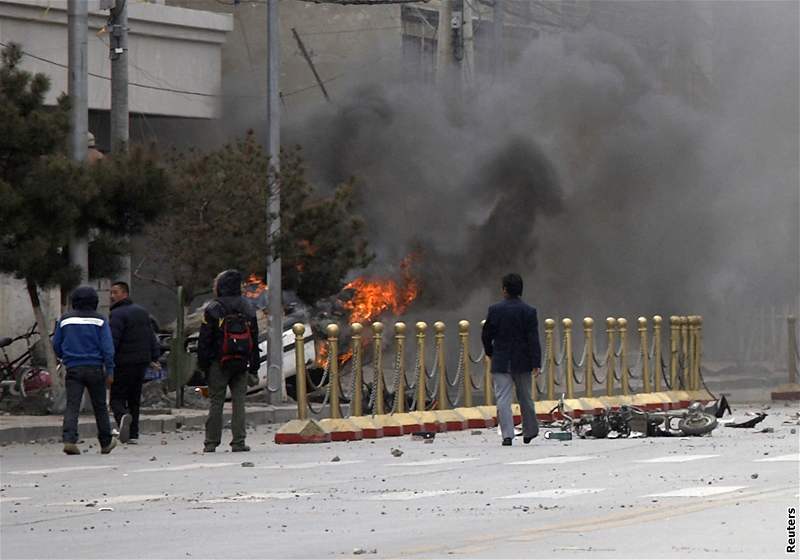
x,y
218,220
48,198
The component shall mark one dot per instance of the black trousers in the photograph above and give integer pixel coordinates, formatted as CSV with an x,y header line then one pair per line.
x,y
93,379
126,394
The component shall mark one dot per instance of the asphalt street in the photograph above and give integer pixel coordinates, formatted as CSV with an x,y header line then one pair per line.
x,y
725,496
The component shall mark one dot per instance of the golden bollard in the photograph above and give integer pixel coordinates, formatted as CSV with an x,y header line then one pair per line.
x,y
377,340
657,371
642,326
611,330
791,325
622,323
698,349
691,350
443,403
356,402
488,390
588,341
400,358
570,370
300,370
333,377
463,335
674,347
421,327
549,326
684,371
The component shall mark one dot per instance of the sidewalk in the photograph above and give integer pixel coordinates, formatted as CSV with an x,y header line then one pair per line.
x,y
23,429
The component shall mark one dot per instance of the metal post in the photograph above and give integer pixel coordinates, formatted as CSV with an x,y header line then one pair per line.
x,y
684,373
498,53
275,344
622,324
180,355
356,405
463,334
443,404
377,336
549,325
674,344
300,369
333,355
588,341
421,391
569,371
611,329
78,88
658,372
400,358
642,325
792,348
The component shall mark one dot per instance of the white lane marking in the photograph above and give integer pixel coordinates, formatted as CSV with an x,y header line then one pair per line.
x,y
65,469
675,459
554,494
442,461
189,467
696,492
554,460
4,499
308,465
125,499
791,457
410,495
258,497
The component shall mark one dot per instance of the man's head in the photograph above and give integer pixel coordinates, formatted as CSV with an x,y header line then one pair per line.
x,y
119,291
512,285
84,298
228,283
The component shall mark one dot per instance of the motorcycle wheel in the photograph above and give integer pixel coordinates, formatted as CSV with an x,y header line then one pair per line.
x,y
697,425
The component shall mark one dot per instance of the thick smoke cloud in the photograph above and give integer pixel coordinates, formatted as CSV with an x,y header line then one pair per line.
x,y
611,194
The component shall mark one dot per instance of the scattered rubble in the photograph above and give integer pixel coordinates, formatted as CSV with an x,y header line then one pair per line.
x,y
336,459
396,452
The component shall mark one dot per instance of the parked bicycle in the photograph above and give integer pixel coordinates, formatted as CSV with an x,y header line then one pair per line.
x,y
18,376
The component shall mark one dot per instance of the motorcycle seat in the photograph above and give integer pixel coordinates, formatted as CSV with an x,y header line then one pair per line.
x,y
4,341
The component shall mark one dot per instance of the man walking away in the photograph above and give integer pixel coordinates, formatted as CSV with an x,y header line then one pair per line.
x,y
135,347
83,343
511,339
227,349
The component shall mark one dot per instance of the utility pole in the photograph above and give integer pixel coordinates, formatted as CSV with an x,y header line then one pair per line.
x,y
275,338
454,39
78,89
498,52
118,53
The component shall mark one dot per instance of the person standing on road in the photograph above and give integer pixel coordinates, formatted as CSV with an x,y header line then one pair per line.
x,y
228,356
83,343
510,338
135,348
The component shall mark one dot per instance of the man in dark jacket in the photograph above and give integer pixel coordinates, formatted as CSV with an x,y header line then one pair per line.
x,y
511,339
83,343
213,361
135,347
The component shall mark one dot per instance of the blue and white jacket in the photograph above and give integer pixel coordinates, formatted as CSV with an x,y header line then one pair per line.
x,y
83,336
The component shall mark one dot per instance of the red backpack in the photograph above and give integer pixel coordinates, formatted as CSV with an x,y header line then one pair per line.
x,y
237,342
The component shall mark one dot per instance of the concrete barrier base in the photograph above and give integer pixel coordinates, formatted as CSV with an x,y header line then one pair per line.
x,y
429,421
388,425
787,392
342,429
302,431
453,421
369,428
476,417
409,422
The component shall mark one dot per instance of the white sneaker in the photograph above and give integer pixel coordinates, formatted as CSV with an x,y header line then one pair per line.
x,y
125,428
133,441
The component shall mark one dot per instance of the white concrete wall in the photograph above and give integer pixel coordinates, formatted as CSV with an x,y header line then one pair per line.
x,y
170,48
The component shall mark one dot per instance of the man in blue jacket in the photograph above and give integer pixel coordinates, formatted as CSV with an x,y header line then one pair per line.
x,y
510,338
83,342
135,347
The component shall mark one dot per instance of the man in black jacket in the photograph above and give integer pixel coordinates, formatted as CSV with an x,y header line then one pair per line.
x,y
135,347
511,339
213,359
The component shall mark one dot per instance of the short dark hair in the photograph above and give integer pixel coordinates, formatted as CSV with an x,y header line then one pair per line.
x,y
513,284
123,285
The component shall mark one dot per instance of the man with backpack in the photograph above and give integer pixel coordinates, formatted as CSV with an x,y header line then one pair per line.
x,y
227,353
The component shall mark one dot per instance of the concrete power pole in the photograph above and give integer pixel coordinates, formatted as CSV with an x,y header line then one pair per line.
x,y
78,89
275,338
498,50
118,53
454,60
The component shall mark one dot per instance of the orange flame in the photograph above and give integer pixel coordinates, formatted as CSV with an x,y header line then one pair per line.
x,y
374,297
254,286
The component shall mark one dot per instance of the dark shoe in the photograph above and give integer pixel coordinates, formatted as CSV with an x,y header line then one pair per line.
x,y
107,449
528,439
133,441
125,428
72,449
240,448
507,441
209,448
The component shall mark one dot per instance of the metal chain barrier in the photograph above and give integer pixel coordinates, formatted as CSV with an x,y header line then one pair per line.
x,y
479,359
395,381
323,382
377,360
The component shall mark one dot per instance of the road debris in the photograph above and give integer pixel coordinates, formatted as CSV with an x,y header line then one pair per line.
x,y
248,464
759,417
396,452
336,459
106,509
